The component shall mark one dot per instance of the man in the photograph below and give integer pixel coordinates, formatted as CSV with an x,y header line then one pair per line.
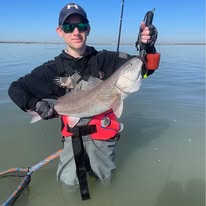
x,y
78,61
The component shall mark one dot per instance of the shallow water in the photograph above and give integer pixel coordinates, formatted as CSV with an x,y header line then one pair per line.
x,y
161,154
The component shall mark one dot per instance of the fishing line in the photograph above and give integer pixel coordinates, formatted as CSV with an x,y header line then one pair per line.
x,y
120,25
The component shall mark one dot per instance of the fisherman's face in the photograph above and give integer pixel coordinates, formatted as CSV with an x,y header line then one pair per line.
x,y
75,38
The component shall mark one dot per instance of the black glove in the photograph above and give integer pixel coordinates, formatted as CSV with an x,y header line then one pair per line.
x,y
153,36
149,46
45,110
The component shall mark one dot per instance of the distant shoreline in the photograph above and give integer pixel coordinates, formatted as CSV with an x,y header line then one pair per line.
x,y
34,42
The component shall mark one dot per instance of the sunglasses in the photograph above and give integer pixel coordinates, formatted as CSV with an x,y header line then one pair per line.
x,y
69,28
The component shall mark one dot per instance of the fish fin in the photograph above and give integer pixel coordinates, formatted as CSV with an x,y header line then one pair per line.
x,y
35,116
117,109
73,121
121,127
64,82
93,82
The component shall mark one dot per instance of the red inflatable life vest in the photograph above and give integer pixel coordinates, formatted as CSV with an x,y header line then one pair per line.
x,y
106,123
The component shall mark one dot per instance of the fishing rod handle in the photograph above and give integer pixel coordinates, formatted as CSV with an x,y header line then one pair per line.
x,y
149,17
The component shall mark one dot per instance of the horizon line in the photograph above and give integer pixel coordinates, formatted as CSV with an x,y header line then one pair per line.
x,y
101,43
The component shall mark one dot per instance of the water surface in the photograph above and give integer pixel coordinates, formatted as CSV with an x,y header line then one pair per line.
x,y
161,154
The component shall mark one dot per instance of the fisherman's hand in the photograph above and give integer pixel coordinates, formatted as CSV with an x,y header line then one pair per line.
x,y
148,37
45,110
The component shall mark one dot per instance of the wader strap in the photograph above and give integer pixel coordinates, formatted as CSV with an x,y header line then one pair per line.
x,y
82,130
80,159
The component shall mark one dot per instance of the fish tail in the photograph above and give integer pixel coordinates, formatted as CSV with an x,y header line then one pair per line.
x,y
35,116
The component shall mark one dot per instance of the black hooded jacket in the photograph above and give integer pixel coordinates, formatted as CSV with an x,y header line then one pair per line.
x,y
39,84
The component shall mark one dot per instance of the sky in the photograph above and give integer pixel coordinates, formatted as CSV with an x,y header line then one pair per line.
x,y
177,21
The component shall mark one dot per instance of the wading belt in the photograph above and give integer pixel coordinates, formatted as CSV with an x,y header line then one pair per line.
x,y
80,156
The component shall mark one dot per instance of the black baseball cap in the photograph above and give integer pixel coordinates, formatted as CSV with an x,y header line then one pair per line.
x,y
70,9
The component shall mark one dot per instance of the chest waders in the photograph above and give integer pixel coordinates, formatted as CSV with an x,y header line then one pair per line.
x,y
80,157
101,127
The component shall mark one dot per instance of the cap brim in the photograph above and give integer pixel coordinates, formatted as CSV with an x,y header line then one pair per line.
x,y
86,20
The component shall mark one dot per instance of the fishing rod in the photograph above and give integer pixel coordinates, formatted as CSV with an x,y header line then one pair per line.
x,y
120,25
25,173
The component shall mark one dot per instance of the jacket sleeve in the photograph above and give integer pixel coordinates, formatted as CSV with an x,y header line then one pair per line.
x,y
39,84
